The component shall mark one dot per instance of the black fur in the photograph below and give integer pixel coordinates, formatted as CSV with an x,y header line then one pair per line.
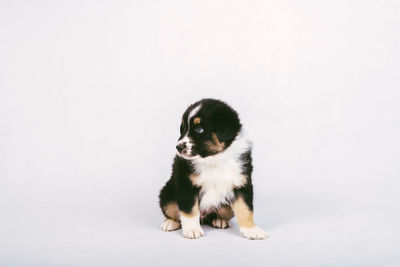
x,y
246,191
179,188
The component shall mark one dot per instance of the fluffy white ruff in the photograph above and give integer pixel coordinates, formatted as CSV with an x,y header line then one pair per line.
x,y
219,174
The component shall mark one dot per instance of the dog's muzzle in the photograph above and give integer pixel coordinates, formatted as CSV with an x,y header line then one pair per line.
x,y
185,149
181,146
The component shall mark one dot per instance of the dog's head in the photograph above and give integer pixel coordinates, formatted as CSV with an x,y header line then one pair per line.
x,y
208,127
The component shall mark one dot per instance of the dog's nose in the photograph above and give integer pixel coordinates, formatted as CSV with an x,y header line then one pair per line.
x,y
181,146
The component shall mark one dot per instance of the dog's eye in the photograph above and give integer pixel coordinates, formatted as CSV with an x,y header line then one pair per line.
x,y
199,130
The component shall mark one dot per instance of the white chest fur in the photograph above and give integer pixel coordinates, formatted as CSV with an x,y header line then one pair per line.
x,y
218,175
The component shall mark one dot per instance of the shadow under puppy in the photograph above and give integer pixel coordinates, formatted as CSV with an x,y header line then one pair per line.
x,y
211,174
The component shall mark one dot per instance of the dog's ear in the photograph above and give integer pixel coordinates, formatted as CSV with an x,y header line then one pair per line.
x,y
227,124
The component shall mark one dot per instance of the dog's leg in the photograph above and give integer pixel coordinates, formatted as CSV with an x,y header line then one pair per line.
x,y
246,223
172,222
191,221
224,214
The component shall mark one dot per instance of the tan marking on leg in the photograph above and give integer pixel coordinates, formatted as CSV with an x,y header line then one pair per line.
x,y
194,179
172,211
197,120
215,146
225,212
243,213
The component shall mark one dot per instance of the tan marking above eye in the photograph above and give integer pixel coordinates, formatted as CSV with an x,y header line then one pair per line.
x,y
197,120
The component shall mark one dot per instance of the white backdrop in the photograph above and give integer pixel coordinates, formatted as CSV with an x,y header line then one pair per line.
x,y
91,94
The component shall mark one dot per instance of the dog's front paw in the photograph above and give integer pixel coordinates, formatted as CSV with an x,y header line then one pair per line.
x,y
253,233
192,232
170,225
220,223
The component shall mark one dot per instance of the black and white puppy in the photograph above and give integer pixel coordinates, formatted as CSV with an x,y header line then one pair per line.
x,y
211,175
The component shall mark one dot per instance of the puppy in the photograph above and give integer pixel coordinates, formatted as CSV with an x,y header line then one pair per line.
x,y
211,173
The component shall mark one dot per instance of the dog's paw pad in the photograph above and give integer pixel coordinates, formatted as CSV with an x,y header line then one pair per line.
x,y
253,233
170,225
220,223
193,233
